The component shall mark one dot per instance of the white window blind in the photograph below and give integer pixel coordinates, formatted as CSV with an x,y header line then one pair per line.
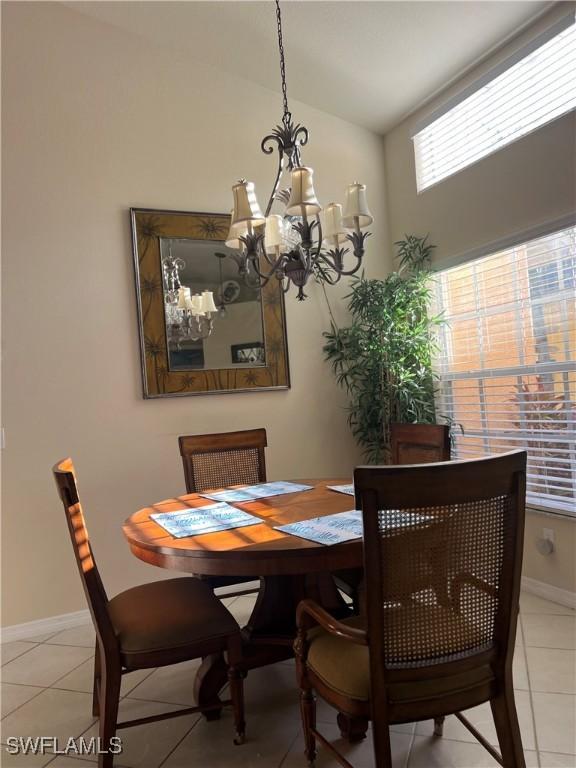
x,y
506,360
530,92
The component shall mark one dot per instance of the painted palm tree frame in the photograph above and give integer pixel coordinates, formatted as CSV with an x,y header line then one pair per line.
x,y
148,227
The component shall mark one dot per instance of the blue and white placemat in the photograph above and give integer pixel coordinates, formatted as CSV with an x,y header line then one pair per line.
x,y
253,492
209,519
330,529
348,489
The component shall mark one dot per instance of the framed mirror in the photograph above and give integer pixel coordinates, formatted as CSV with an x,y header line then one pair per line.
x,y
204,328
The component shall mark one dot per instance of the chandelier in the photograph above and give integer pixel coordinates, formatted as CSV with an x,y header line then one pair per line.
x,y
188,316
306,240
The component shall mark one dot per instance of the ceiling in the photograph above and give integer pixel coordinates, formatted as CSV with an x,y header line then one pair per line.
x,y
368,62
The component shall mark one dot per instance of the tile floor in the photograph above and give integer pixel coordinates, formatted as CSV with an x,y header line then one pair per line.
x,y
46,690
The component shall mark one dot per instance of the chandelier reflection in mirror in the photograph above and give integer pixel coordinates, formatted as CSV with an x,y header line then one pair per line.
x,y
306,240
188,316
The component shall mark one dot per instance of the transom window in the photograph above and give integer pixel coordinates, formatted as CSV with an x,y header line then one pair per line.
x,y
502,107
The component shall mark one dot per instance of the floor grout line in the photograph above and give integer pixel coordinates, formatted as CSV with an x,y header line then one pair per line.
x,y
32,646
171,752
530,697
409,753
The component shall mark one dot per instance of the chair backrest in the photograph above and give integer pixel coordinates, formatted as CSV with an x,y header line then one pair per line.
x,y
65,477
227,458
443,555
419,443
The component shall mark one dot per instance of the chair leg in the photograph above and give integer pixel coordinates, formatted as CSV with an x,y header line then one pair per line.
x,y
382,747
236,680
97,675
508,730
308,710
109,699
439,726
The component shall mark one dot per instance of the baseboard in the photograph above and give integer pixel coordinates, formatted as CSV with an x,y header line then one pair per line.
x,y
51,625
548,592
32,629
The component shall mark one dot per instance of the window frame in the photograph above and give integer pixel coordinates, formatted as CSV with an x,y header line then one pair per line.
x,y
482,374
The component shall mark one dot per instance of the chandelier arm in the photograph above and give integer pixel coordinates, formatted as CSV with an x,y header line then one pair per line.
x,y
348,272
265,278
319,235
278,177
326,276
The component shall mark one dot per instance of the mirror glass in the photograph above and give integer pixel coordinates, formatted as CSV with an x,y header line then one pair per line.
x,y
229,336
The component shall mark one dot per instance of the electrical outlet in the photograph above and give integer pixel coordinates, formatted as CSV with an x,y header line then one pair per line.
x,y
545,543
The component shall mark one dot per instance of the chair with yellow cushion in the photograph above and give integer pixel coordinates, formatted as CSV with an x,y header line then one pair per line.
x,y
152,625
419,652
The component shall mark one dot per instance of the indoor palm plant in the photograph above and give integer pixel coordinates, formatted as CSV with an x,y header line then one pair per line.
x,y
383,358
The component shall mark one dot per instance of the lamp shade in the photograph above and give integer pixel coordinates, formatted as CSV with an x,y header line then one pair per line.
x,y
274,232
208,302
356,207
332,228
196,307
246,208
303,199
183,297
235,232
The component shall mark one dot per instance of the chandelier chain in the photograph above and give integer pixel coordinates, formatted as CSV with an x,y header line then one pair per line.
x,y
286,116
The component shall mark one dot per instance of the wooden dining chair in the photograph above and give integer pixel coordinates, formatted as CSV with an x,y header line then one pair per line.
x,y
217,461
412,656
419,443
151,625
409,444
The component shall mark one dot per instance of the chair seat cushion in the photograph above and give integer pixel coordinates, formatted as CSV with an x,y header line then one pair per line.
x,y
345,666
168,614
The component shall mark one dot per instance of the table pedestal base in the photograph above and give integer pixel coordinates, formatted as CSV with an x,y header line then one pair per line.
x,y
270,633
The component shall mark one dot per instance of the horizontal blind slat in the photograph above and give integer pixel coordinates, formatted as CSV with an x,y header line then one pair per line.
x,y
533,91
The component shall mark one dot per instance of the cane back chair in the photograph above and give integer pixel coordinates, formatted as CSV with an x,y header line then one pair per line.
x,y
419,443
409,444
152,625
220,460
421,654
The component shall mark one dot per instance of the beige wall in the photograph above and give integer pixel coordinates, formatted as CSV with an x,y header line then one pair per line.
x,y
515,189
95,121
520,187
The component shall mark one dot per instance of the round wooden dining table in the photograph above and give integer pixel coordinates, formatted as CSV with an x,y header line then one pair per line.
x,y
289,568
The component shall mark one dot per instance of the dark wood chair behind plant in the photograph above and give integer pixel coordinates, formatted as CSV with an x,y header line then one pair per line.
x,y
414,657
419,443
152,625
219,460
409,444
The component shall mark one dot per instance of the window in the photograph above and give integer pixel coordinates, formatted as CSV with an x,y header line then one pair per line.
x,y
506,360
501,108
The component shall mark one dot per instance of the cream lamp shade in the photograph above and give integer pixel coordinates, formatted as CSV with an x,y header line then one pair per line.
x,y
208,302
303,201
333,230
356,207
196,305
246,207
235,232
274,232
183,297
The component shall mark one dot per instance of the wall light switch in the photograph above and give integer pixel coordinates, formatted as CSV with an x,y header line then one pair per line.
x,y
2,438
